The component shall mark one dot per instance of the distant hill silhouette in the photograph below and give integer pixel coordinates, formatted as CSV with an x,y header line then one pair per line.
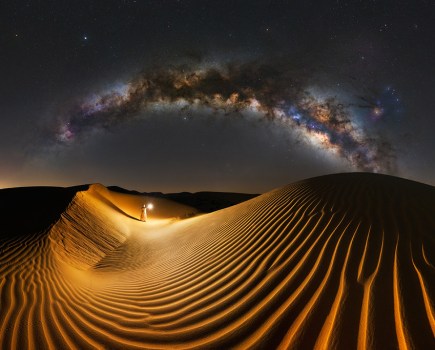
x,y
205,202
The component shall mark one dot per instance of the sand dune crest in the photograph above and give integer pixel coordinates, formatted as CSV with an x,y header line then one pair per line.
x,y
337,262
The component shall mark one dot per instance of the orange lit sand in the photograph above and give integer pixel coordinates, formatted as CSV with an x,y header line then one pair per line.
x,y
342,261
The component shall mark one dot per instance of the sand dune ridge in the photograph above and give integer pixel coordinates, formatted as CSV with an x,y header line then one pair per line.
x,y
343,261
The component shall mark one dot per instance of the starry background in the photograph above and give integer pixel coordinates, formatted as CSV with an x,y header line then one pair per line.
x,y
377,57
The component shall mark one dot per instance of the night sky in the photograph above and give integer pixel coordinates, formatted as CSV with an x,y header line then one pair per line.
x,y
241,96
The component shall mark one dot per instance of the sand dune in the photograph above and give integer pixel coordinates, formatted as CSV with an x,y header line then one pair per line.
x,y
336,262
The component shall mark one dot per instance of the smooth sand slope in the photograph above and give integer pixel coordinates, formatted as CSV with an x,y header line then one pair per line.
x,y
336,262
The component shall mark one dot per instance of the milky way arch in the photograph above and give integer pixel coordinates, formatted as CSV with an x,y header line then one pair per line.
x,y
279,95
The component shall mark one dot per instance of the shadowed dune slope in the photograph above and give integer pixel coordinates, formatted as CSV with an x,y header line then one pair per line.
x,y
26,210
342,261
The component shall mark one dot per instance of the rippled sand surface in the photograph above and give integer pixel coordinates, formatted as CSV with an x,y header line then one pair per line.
x,y
336,262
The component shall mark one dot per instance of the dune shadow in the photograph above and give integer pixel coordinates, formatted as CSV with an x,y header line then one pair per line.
x,y
112,205
27,210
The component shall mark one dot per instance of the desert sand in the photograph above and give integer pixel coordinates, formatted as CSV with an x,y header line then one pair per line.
x,y
342,261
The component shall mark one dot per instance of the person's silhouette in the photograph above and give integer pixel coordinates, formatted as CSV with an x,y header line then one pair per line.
x,y
143,213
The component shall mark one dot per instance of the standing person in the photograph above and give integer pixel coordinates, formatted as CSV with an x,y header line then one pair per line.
x,y
143,213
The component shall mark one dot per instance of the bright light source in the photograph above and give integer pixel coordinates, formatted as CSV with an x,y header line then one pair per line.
x,y
150,206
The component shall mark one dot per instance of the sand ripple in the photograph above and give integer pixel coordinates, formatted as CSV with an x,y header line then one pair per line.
x,y
336,262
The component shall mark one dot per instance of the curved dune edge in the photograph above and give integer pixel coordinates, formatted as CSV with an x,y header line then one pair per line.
x,y
342,261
